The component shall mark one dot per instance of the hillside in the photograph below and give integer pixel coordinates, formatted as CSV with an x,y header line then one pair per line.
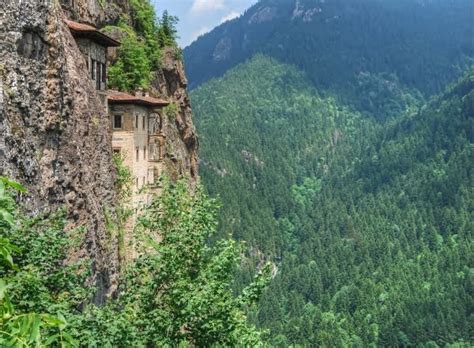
x,y
321,134
371,54
359,215
273,130
385,252
370,224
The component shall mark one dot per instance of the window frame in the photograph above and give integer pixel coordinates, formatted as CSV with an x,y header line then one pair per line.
x,y
98,76
121,121
93,67
104,72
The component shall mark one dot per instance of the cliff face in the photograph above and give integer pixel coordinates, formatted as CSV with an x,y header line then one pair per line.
x,y
95,12
55,131
181,138
55,136
170,83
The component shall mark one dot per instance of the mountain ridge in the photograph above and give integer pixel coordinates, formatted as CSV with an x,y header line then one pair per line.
x,y
356,50
342,203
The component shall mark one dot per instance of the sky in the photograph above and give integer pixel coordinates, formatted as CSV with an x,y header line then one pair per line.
x,y
197,17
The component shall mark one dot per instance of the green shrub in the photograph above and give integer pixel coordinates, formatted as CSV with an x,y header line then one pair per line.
x,y
19,328
133,67
171,111
178,293
141,51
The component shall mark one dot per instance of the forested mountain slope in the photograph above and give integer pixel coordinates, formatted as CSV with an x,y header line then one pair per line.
x,y
373,54
370,224
385,245
264,128
320,134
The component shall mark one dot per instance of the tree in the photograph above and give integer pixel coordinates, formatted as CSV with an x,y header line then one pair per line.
x,y
133,67
167,32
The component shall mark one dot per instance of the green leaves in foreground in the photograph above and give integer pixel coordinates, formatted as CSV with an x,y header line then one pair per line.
x,y
179,291
21,329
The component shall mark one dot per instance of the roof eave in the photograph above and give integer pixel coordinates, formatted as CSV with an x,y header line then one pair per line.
x,y
96,36
138,102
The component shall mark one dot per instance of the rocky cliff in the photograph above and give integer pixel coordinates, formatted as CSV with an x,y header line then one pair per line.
x,y
181,138
55,136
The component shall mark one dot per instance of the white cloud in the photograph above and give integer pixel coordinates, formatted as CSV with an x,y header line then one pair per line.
x,y
197,33
207,5
230,16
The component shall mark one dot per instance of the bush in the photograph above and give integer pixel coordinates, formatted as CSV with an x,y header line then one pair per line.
x,y
141,50
133,67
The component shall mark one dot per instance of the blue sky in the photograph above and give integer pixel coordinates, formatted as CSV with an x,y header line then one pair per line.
x,y
197,17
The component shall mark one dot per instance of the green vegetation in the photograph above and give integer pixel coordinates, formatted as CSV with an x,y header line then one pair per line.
x,y
375,55
144,37
25,318
369,223
171,111
132,69
178,293
167,33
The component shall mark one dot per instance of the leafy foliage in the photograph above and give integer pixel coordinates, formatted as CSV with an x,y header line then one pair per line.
x,y
17,327
171,111
177,293
141,50
167,32
132,69
179,290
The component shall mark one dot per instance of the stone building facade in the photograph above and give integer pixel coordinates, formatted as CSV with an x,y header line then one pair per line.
x,y
93,44
136,122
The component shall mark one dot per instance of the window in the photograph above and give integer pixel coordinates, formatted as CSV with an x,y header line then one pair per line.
x,y
117,121
104,73
143,122
143,181
117,151
144,153
136,121
97,80
137,154
93,69
136,182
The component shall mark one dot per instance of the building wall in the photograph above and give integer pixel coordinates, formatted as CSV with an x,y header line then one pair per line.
x,y
134,144
96,58
145,170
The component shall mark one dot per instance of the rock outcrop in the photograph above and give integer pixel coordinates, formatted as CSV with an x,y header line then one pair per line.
x,y
55,132
97,12
55,136
181,138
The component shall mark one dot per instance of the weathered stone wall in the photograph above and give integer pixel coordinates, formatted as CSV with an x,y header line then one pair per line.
x,y
93,54
56,134
97,12
181,138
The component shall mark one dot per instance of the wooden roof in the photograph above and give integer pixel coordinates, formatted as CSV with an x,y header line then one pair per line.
x,y
115,97
88,31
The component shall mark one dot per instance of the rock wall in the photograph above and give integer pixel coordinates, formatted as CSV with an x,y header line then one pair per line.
x,y
181,138
55,136
55,133
96,12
